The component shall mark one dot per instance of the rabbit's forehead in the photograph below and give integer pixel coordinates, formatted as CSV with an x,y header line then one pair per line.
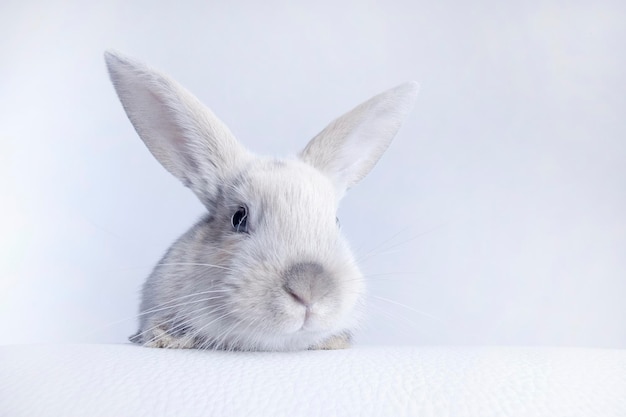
x,y
289,182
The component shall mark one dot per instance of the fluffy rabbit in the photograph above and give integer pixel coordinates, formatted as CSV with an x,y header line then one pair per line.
x,y
266,268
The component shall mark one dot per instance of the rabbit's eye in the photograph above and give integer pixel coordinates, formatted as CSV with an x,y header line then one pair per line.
x,y
338,223
239,221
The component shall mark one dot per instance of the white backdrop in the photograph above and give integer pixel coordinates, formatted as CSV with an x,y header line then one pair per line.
x,y
498,215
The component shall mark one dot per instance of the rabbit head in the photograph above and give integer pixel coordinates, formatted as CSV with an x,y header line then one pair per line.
x,y
266,268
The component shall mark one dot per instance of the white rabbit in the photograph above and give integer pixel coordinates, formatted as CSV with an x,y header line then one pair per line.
x,y
267,267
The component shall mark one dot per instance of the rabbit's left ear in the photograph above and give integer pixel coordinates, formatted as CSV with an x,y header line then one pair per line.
x,y
349,147
182,134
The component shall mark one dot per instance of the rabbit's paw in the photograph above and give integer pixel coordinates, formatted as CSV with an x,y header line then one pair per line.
x,y
160,338
338,341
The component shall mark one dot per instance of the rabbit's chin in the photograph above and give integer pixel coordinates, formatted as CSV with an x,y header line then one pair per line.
x,y
294,331
243,337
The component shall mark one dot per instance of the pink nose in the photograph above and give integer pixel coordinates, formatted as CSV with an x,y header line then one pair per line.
x,y
307,282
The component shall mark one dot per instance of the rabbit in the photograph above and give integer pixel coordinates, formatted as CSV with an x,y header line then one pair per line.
x,y
266,267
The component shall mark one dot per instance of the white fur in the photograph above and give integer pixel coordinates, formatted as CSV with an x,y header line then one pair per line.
x,y
289,281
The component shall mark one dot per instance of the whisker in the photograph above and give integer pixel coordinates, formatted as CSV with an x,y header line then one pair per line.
x,y
167,331
192,316
210,251
223,316
378,274
378,246
160,307
369,254
195,264
181,323
407,307
243,332
257,334
222,336
163,306
383,252
396,318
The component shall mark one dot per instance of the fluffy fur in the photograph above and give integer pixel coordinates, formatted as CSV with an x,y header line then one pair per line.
x,y
283,277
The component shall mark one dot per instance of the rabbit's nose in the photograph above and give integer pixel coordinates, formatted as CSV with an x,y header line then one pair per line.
x,y
307,283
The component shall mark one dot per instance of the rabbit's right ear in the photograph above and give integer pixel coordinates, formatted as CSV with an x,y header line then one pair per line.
x,y
349,147
182,134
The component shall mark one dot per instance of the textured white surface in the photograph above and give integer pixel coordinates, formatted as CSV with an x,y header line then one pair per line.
x,y
125,380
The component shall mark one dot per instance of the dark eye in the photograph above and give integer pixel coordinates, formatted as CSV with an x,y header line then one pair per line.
x,y
239,220
337,221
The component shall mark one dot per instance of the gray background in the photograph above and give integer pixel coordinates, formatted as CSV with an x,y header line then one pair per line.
x,y
496,217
